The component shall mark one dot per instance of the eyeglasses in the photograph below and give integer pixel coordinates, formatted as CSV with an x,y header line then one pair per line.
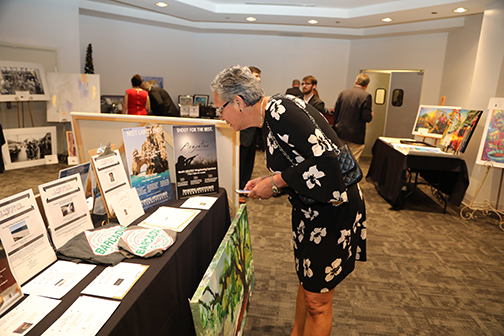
x,y
306,84
219,110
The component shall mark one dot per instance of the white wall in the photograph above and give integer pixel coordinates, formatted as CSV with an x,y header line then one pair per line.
x,y
52,24
417,52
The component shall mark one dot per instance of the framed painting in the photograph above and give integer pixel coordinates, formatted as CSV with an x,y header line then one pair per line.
x,y
491,148
27,147
431,121
185,100
154,81
22,81
460,129
201,100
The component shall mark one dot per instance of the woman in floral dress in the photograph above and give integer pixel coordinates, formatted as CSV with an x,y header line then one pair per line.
x,y
329,234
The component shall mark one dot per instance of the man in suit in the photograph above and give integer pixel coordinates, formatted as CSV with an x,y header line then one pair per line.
x,y
310,94
160,101
294,90
351,113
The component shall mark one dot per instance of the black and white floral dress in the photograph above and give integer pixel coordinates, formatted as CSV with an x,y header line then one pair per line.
x,y
329,236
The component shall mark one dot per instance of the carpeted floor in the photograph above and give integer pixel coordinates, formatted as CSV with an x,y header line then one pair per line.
x,y
427,273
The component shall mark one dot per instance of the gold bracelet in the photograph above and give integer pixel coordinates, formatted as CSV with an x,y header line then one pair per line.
x,y
274,187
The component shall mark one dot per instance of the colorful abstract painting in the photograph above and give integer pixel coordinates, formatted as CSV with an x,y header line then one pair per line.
x,y
71,92
460,129
219,305
492,143
432,121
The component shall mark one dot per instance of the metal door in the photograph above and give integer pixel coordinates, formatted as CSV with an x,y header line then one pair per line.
x,y
402,105
378,81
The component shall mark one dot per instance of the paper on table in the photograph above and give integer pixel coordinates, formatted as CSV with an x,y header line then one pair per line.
x,y
199,202
127,206
26,315
84,317
58,279
170,218
115,282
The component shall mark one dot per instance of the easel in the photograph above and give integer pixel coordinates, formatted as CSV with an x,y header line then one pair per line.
x,y
19,100
468,211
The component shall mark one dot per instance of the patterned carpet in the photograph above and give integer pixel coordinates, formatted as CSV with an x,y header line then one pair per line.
x,y
427,273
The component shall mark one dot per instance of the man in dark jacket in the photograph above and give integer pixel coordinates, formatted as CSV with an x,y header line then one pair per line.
x,y
294,90
160,101
310,94
351,113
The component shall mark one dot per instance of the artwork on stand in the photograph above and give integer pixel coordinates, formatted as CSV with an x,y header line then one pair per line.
x,y
147,164
220,304
22,81
185,100
112,104
460,129
431,121
71,92
195,149
154,81
492,143
27,147
72,150
201,100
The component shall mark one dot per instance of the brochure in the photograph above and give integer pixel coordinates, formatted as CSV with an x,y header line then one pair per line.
x,y
196,153
147,164
199,202
170,218
10,291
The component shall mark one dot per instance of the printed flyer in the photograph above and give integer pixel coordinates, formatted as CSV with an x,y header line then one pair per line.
x,y
195,150
147,163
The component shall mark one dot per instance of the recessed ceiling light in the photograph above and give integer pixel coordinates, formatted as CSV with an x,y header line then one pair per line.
x,y
161,4
313,21
460,10
251,19
387,19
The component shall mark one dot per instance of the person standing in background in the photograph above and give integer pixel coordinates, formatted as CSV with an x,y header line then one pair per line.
x,y
294,90
160,100
309,88
136,100
248,144
352,111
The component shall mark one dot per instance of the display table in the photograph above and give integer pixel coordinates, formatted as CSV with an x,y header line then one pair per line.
x,y
389,167
158,303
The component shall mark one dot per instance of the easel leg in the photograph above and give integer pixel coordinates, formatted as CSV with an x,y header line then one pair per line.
x,y
31,116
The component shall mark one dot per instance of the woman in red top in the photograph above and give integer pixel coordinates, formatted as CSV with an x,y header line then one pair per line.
x,y
136,100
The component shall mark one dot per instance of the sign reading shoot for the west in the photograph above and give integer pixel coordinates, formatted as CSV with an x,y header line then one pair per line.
x,y
195,153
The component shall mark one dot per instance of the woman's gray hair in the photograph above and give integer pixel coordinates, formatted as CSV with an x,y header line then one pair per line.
x,y
237,81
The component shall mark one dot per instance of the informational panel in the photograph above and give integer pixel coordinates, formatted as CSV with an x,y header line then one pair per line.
x,y
72,92
219,305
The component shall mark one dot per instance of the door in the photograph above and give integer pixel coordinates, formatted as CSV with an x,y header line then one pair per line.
x,y
379,82
402,103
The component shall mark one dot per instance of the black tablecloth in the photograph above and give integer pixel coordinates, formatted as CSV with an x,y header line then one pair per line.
x,y
158,303
388,173
2,142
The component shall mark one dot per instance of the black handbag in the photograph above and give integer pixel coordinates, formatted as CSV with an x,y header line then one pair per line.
x,y
350,169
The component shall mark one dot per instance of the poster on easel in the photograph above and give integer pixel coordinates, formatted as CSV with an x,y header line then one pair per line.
x,y
195,150
431,121
24,236
491,148
147,164
460,129
66,208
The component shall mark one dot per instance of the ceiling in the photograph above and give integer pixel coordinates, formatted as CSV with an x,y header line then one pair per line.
x,y
348,19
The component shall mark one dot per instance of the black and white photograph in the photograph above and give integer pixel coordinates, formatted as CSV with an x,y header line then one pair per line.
x,y
22,81
27,147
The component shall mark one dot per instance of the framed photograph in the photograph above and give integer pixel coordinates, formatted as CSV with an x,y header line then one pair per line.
x,y
201,100
27,147
431,121
185,100
112,104
22,81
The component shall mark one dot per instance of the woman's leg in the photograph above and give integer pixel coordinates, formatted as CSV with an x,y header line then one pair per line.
x,y
314,313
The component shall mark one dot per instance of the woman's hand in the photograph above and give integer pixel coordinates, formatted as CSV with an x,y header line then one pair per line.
x,y
261,187
252,183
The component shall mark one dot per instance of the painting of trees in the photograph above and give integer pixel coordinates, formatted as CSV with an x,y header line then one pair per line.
x,y
220,303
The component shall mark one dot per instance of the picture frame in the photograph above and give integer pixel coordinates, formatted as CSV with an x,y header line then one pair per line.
x,y
20,81
431,121
185,100
201,100
28,147
491,150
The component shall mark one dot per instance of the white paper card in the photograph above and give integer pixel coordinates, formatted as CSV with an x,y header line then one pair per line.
x,y
170,218
127,206
199,202
58,279
85,317
26,315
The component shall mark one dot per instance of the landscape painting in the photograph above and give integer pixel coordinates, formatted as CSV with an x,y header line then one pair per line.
x,y
431,121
